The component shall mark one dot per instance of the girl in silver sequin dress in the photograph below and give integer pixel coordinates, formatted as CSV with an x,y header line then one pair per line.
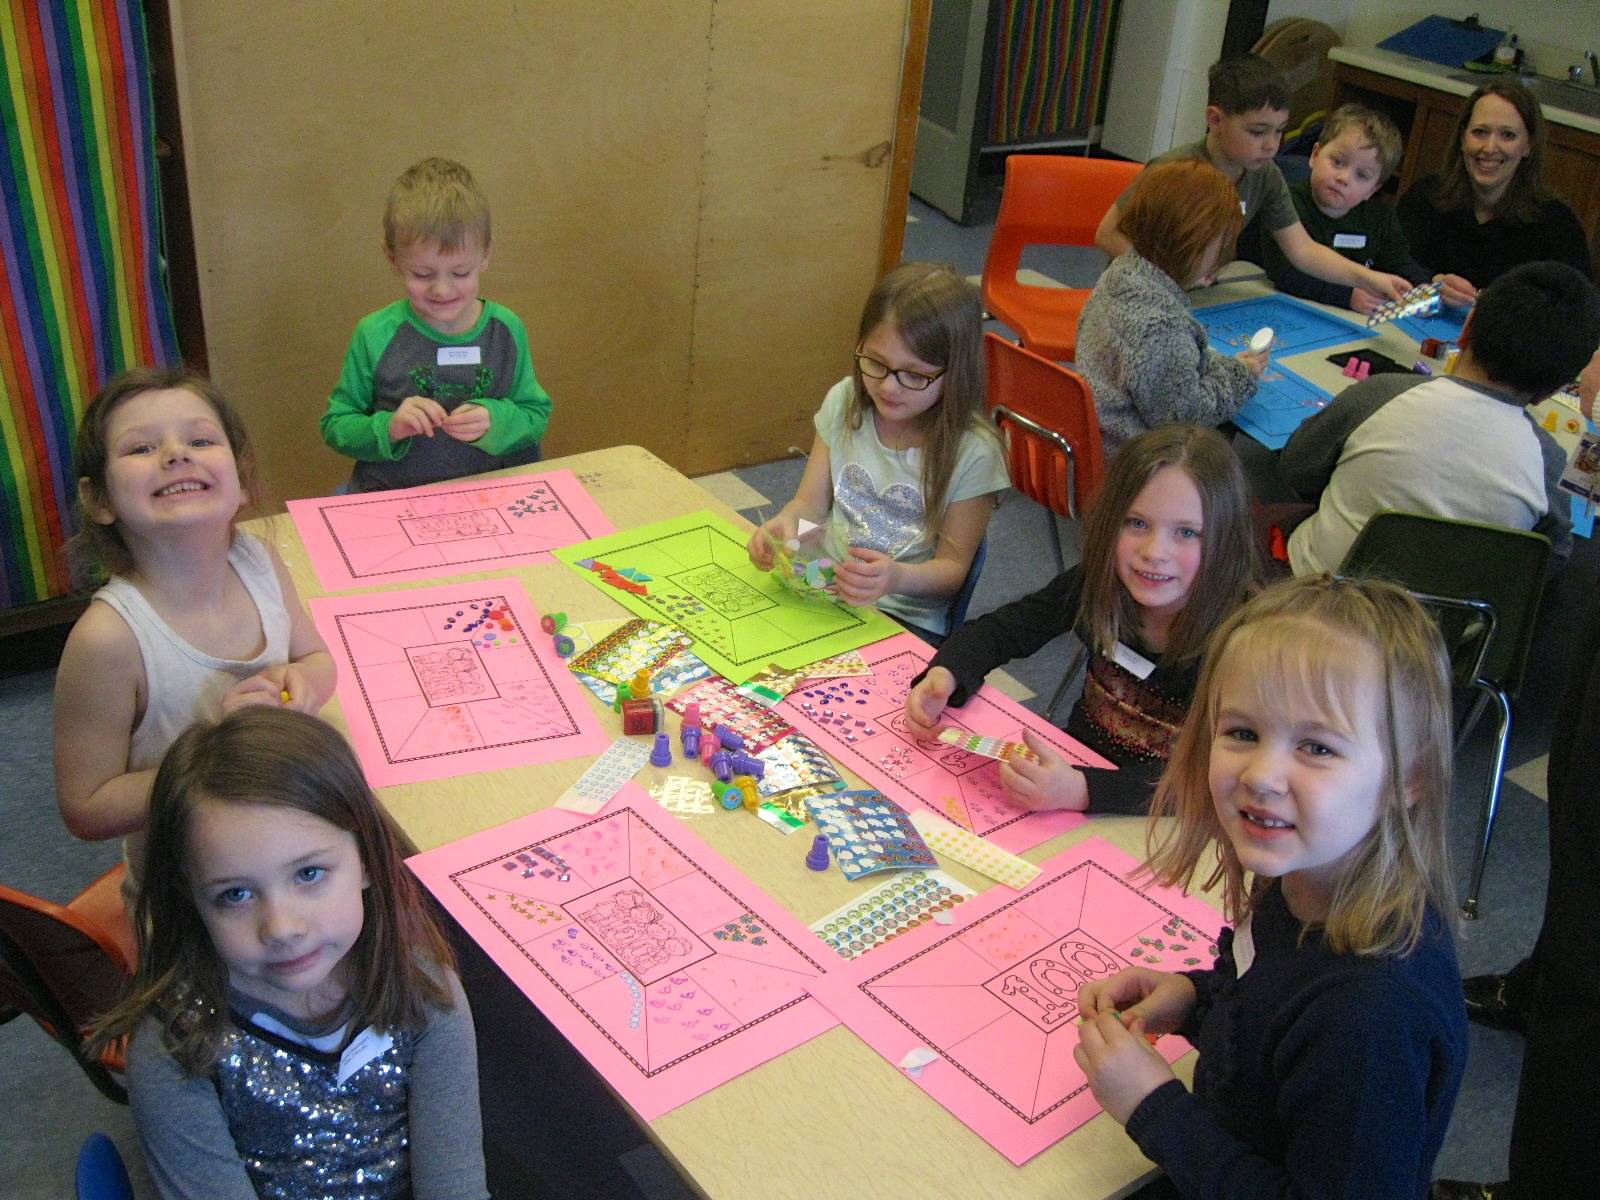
x,y
297,1026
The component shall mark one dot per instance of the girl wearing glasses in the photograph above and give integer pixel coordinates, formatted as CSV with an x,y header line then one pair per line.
x,y
905,470
1145,356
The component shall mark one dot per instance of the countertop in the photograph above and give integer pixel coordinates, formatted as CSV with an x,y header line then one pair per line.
x,y
1415,70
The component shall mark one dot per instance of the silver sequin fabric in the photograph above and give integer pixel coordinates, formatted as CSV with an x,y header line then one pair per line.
x,y
302,1134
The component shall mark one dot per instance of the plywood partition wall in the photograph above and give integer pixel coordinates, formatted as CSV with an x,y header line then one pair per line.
x,y
690,200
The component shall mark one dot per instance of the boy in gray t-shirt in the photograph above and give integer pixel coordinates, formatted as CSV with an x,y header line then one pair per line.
x,y
1247,107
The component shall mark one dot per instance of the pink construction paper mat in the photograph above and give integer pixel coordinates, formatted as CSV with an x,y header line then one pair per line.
x,y
663,965
444,529
861,722
996,997
452,680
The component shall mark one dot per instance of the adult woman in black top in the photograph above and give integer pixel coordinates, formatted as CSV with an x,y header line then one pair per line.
x,y
1489,210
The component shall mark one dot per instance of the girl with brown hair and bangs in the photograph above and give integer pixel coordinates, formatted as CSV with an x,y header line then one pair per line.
x,y
1145,356
297,1027
1168,553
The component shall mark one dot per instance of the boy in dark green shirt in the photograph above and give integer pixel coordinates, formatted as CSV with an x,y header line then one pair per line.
x,y
1358,150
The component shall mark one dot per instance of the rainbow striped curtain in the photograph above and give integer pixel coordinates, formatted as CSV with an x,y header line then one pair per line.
x,y
82,295
1051,62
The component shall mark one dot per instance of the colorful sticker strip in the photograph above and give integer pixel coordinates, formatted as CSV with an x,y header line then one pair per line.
x,y
868,832
605,776
721,704
889,909
970,850
766,687
987,746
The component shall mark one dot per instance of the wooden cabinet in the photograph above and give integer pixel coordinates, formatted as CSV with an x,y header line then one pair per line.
x,y
1427,119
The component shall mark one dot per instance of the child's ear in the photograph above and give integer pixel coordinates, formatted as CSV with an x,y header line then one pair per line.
x,y
96,509
1214,116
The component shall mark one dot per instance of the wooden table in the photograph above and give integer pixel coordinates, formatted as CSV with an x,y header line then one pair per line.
x,y
831,1117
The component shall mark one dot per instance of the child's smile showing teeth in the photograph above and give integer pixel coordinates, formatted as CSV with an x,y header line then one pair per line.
x,y
183,485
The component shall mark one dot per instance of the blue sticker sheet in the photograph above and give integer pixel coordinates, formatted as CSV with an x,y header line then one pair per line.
x,y
1296,327
1282,401
868,832
1445,325
1582,517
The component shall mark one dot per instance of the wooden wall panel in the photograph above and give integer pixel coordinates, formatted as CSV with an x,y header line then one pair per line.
x,y
684,195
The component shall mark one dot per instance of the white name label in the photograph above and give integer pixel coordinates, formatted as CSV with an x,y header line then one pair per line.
x,y
1349,241
460,356
1243,210
368,1045
1132,661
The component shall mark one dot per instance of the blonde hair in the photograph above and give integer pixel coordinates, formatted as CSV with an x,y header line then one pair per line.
x,y
1378,131
285,759
1302,634
436,201
1229,563
939,315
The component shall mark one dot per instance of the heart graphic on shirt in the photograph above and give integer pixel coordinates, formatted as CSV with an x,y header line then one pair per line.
x,y
890,521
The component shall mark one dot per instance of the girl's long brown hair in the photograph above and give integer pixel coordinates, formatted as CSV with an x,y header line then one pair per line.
x,y
1229,564
1321,636
274,757
939,315
1525,195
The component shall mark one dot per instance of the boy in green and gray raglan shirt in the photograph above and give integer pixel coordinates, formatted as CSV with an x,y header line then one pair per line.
x,y
437,385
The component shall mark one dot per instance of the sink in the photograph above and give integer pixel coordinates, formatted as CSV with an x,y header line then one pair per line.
x,y
1551,93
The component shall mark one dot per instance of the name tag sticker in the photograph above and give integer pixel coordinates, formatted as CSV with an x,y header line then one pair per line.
x,y
1132,661
1349,241
368,1045
460,356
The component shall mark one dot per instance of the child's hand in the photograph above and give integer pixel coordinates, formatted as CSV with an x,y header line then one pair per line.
x,y
1049,783
1162,1000
1364,302
258,689
416,415
467,423
1589,385
781,529
927,701
1253,362
865,576
1456,291
298,683
1385,285
1122,1067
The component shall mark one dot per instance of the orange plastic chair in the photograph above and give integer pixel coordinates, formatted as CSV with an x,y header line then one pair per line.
x,y
1046,415
65,965
1053,451
1049,200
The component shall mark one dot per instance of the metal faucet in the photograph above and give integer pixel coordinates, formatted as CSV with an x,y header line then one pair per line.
x,y
1575,71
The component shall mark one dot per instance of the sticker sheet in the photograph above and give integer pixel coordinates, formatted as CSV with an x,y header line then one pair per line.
x,y
604,778
452,680
661,963
888,910
868,833
797,762
862,723
376,538
634,646
693,572
995,996
722,704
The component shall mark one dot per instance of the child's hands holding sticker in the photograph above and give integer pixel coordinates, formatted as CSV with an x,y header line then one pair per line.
x,y
865,576
1122,1067
467,422
1161,999
1047,781
416,415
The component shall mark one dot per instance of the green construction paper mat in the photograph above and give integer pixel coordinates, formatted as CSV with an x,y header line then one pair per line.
x,y
741,619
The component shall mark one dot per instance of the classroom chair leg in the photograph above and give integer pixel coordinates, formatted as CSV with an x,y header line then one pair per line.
x,y
1491,799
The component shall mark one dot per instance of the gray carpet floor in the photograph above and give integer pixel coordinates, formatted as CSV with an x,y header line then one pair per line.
x,y
51,1107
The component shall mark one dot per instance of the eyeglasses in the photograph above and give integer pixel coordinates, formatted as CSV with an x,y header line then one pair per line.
x,y
916,381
